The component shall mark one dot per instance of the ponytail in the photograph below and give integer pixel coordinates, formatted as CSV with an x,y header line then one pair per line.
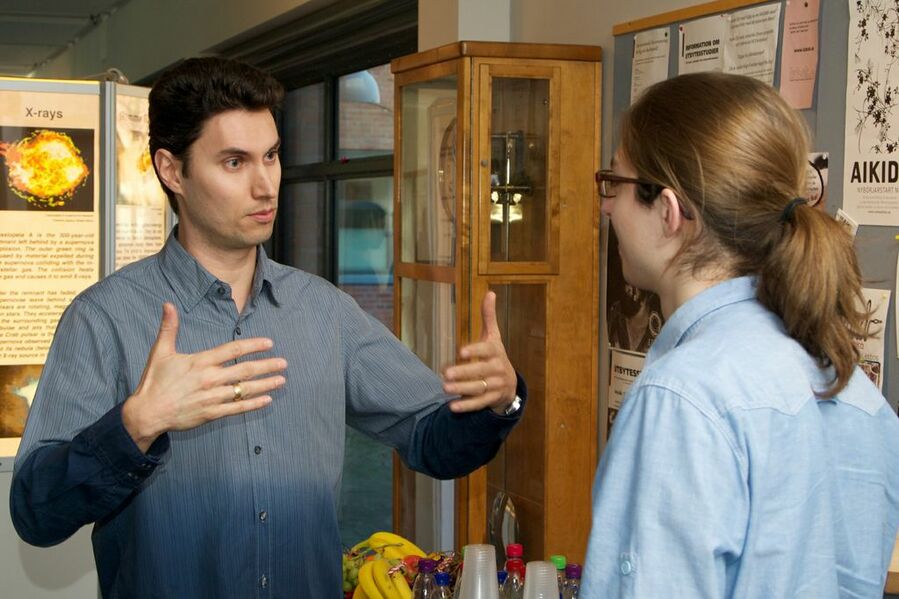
x,y
811,279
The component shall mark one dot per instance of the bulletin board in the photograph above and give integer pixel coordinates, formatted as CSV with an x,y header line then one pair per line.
x,y
877,246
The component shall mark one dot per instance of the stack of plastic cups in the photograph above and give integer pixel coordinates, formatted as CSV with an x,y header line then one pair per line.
x,y
479,573
541,581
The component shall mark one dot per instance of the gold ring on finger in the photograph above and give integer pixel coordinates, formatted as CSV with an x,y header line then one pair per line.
x,y
238,391
485,385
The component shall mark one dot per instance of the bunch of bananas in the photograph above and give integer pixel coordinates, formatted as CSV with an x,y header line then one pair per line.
x,y
378,576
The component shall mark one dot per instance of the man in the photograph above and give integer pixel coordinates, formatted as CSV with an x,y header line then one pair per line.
x,y
209,453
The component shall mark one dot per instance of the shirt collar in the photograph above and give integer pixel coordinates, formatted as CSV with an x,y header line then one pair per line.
x,y
191,282
689,314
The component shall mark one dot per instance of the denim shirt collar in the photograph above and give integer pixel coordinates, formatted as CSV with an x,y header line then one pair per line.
x,y
191,282
684,320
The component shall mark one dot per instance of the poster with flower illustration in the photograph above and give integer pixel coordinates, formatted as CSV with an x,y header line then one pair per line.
x,y
871,168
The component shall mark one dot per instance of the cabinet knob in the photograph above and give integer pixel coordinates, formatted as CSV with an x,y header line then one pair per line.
x,y
484,163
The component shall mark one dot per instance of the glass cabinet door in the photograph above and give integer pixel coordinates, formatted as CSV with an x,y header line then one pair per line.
x,y
428,171
518,150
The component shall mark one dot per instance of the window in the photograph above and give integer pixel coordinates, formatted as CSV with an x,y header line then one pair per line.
x,y
336,221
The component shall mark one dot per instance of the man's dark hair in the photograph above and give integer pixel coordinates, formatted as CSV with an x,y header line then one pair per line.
x,y
192,92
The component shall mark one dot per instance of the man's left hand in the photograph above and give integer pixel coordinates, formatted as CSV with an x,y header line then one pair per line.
x,y
486,379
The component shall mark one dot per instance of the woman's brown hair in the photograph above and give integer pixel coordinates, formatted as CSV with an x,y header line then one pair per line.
x,y
735,154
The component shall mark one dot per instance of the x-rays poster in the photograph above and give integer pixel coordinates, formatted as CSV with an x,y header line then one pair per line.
x,y
871,344
871,169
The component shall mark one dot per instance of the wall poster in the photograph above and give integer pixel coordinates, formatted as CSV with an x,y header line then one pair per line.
x,y
49,230
871,171
141,205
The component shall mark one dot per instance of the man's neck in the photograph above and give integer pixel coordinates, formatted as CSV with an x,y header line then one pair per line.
x,y
235,267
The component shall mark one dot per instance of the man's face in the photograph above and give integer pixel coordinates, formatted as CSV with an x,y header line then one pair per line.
x,y
229,195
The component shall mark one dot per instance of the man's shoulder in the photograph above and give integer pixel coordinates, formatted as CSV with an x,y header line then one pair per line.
x,y
124,282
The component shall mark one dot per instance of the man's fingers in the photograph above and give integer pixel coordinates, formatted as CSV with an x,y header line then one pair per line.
x,y
470,388
251,369
489,325
232,408
241,390
233,350
168,332
466,372
469,404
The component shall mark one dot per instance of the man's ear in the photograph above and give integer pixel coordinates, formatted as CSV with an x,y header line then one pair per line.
x,y
169,169
672,214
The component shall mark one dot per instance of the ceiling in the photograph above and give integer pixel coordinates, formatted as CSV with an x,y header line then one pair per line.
x,y
33,32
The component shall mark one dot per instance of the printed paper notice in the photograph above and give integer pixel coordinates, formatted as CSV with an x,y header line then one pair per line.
x,y
752,42
626,367
702,45
799,58
140,202
650,63
871,168
816,180
871,344
49,233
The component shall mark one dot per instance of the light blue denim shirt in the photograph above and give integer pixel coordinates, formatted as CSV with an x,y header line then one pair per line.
x,y
725,476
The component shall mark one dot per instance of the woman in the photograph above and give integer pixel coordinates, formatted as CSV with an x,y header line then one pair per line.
x,y
751,458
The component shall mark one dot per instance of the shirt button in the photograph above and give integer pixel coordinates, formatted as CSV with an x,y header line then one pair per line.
x,y
263,582
257,450
263,516
220,291
237,331
625,566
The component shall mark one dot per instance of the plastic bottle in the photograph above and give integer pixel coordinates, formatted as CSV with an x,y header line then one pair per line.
x,y
572,581
501,576
514,551
560,562
424,586
442,588
513,588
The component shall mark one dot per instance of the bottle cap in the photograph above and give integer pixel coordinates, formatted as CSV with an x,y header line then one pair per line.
x,y
573,571
501,576
559,561
442,579
514,550
426,566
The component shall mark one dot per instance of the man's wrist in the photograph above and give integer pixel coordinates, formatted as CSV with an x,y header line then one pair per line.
x,y
134,425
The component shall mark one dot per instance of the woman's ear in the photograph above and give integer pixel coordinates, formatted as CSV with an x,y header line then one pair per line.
x,y
672,213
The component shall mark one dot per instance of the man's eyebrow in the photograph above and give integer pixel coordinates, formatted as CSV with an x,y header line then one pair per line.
x,y
233,152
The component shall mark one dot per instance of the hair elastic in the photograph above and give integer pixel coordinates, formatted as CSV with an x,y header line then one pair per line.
x,y
787,215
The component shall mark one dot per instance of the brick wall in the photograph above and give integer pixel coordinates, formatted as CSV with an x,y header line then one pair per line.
x,y
377,300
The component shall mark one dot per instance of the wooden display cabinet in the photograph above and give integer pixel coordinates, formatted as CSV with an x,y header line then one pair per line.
x,y
496,149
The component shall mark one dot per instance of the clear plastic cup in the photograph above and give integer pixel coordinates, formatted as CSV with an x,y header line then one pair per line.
x,y
479,573
541,581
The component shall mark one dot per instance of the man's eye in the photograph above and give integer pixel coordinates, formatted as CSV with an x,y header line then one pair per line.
x,y
232,162
272,156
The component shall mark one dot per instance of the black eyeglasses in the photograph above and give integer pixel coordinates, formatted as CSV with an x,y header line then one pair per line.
x,y
608,181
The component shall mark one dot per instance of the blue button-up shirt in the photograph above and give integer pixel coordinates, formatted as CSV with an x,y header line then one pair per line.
x,y
726,477
243,506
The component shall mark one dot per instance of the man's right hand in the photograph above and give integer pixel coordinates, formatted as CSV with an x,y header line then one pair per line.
x,y
182,391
